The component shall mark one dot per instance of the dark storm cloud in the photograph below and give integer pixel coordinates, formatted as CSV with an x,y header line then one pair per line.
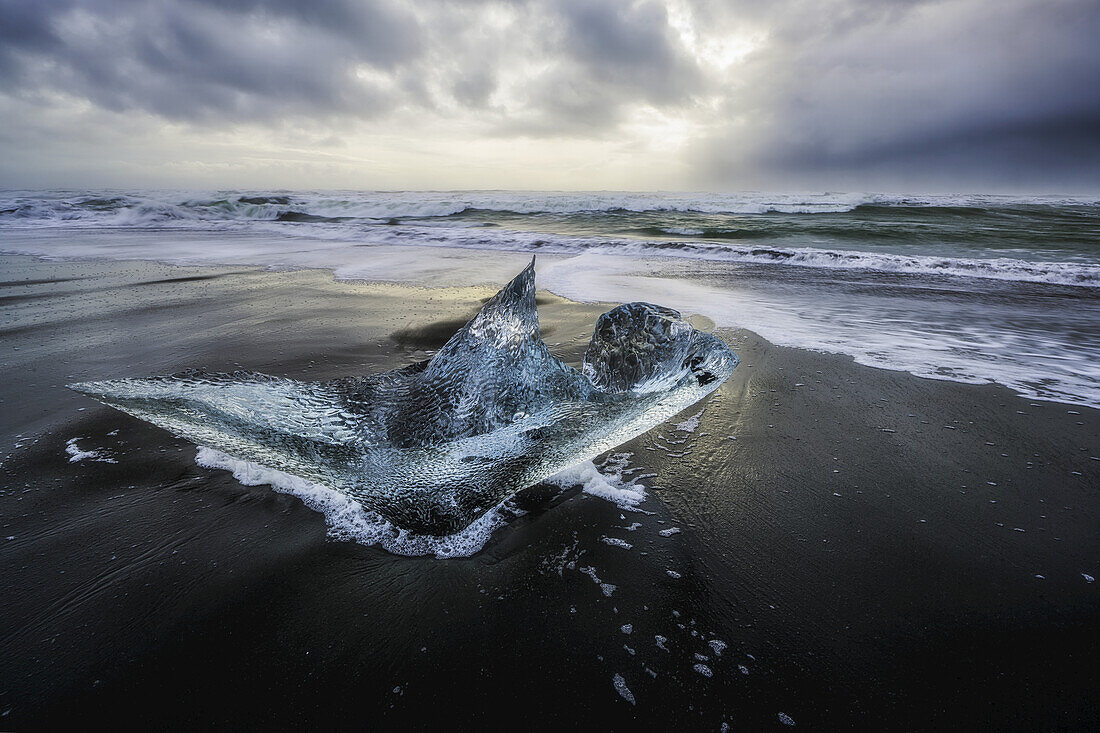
x,y
628,45
610,56
378,32
206,61
211,60
919,94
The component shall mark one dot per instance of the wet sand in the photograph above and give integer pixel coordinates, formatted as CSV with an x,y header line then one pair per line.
x,y
857,548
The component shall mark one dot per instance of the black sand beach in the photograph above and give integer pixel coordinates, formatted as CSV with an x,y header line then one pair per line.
x,y
857,548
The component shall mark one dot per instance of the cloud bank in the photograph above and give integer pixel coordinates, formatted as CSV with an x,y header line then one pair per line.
x,y
786,94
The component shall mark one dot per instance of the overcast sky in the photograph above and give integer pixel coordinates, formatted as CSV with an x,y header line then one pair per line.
x,y
867,95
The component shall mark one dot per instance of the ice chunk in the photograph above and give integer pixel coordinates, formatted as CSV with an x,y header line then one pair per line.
x,y
435,445
635,345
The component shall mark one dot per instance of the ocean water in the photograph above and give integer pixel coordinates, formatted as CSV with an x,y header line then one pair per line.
x,y
962,287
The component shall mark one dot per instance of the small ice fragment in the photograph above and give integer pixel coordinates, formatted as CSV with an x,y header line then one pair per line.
x,y
1040,577
661,642
718,646
669,532
1088,578
703,670
627,628
786,719
673,574
616,542
701,657
743,668
622,689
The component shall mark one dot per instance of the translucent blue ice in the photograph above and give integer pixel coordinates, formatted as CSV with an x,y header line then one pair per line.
x,y
436,444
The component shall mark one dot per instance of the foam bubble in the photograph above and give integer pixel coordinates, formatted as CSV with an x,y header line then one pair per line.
x,y
608,484
76,454
622,689
606,588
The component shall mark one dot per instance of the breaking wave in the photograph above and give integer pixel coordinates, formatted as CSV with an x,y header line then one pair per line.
x,y
131,208
1000,268
1026,239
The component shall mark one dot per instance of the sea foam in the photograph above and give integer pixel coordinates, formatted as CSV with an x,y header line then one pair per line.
x,y
348,520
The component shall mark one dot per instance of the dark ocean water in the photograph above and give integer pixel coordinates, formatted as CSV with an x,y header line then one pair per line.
x,y
1035,239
